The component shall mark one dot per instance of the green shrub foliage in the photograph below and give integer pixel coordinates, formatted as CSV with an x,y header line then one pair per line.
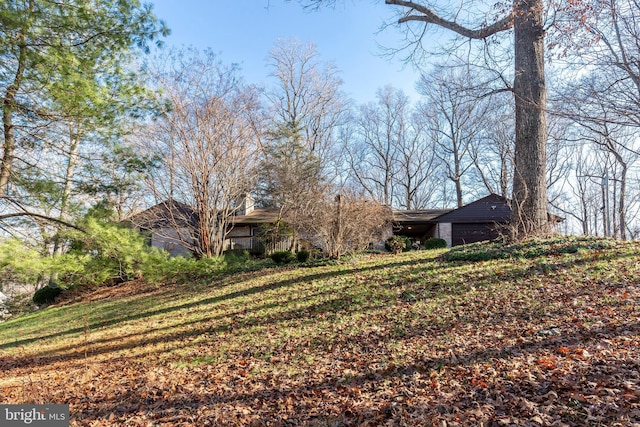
x,y
282,257
105,253
108,253
435,243
303,255
530,248
46,295
22,264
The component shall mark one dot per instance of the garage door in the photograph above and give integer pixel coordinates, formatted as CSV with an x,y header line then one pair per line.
x,y
470,233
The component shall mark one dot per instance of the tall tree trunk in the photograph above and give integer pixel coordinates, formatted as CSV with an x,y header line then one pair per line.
x,y
529,204
74,139
621,208
615,232
74,145
585,216
8,106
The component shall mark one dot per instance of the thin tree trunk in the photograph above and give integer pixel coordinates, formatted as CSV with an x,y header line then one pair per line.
x,y
585,216
504,174
621,205
605,212
458,182
74,145
614,219
622,221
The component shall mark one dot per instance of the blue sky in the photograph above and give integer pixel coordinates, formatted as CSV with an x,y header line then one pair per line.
x,y
244,31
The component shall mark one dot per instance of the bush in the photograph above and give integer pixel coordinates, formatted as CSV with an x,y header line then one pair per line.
x,y
20,264
107,253
527,249
397,244
282,257
435,243
182,269
46,295
303,255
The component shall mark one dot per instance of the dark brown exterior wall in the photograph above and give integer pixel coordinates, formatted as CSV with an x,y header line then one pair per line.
x,y
481,220
470,233
488,210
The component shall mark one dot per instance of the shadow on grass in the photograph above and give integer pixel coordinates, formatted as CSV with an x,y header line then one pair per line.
x,y
218,299
185,331
376,395
345,300
330,397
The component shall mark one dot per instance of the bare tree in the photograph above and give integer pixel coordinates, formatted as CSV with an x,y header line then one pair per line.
x,y
607,51
456,115
346,223
610,132
380,131
492,154
417,166
603,98
207,140
526,20
618,143
579,190
306,95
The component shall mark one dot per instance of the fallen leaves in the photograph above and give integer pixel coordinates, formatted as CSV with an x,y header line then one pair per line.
x,y
406,340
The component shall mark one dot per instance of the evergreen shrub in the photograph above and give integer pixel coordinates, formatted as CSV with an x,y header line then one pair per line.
x,y
282,257
46,295
303,255
435,243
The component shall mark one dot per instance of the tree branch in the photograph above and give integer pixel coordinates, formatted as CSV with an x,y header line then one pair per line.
x,y
430,17
44,217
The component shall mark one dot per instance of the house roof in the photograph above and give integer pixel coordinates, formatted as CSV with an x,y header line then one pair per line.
x,y
492,208
257,216
172,213
418,215
169,213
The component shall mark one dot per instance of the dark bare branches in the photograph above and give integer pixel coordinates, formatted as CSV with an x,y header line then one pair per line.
x,y
429,16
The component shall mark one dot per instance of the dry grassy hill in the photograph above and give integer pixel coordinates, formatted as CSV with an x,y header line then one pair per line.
x,y
545,333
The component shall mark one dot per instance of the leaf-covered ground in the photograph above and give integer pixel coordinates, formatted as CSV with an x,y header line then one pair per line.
x,y
409,339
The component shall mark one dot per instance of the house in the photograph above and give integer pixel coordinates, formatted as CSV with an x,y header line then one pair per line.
x,y
419,225
247,225
167,225
170,225
483,219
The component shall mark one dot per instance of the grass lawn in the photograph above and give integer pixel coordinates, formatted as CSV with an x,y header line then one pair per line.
x,y
411,339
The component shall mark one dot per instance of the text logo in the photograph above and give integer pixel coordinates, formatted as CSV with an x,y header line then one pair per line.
x,y
34,415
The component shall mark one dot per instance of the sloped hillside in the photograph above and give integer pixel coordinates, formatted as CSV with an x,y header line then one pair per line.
x,y
548,335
